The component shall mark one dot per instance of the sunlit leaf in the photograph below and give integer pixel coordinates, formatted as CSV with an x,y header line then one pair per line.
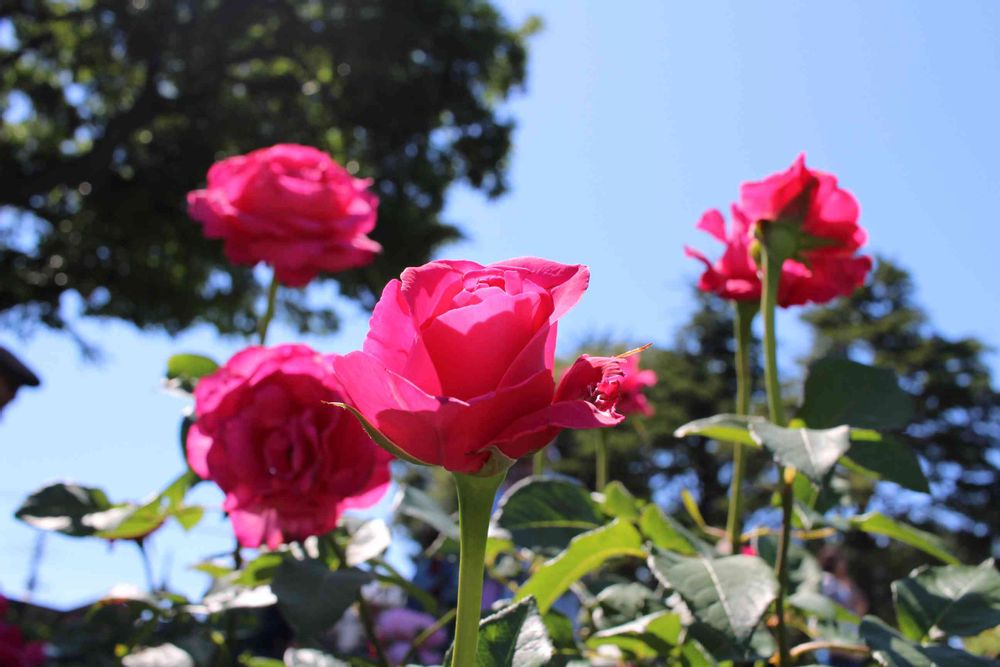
x,y
585,553
839,391
546,513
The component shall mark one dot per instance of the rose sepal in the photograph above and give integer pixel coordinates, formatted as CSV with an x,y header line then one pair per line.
x,y
380,438
497,463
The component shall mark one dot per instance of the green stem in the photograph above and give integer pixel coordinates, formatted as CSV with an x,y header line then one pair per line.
x,y
781,563
538,463
426,634
147,567
265,321
744,313
769,300
475,504
601,460
364,610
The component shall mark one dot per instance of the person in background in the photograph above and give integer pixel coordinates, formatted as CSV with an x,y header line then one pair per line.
x,y
13,375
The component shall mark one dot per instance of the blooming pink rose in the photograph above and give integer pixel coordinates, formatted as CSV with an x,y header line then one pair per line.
x,y
631,400
824,267
290,206
812,200
734,276
288,463
458,363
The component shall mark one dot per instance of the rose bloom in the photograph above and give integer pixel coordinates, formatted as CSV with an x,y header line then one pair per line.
x,y
288,462
824,268
290,206
812,200
631,400
14,650
458,363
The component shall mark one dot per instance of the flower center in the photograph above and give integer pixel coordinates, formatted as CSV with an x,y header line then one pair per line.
x,y
606,393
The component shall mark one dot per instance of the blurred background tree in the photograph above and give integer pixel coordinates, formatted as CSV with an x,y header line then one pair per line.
x,y
113,110
956,431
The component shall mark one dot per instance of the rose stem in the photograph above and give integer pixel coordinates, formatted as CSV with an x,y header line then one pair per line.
x,y
265,321
743,315
364,611
538,463
475,504
425,634
601,462
769,298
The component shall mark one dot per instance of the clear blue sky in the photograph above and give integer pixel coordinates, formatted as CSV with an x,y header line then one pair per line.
x,y
638,117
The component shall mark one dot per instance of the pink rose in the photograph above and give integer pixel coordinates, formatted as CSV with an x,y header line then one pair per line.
x,y
631,400
290,206
813,201
288,463
824,265
458,363
734,275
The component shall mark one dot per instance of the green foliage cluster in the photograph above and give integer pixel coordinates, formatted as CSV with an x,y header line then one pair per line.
x,y
607,576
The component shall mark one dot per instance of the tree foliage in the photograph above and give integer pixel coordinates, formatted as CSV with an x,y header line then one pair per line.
x,y
956,429
114,110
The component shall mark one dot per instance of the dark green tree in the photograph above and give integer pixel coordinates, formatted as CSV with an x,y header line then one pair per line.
x,y
956,431
115,109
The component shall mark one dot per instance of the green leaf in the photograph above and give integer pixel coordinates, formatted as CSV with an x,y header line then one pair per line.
x,y
957,600
133,521
840,391
667,534
369,541
310,657
560,629
886,459
545,513
892,649
645,638
65,508
312,597
728,594
187,369
190,516
804,571
416,504
514,636
259,571
620,603
128,522
619,502
813,453
585,553
820,606
879,524
725,427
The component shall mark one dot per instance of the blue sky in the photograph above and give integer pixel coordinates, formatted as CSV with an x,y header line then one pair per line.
x,y
637,118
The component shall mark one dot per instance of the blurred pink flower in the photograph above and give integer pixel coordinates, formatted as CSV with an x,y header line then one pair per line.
x,y
290,206
288,462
